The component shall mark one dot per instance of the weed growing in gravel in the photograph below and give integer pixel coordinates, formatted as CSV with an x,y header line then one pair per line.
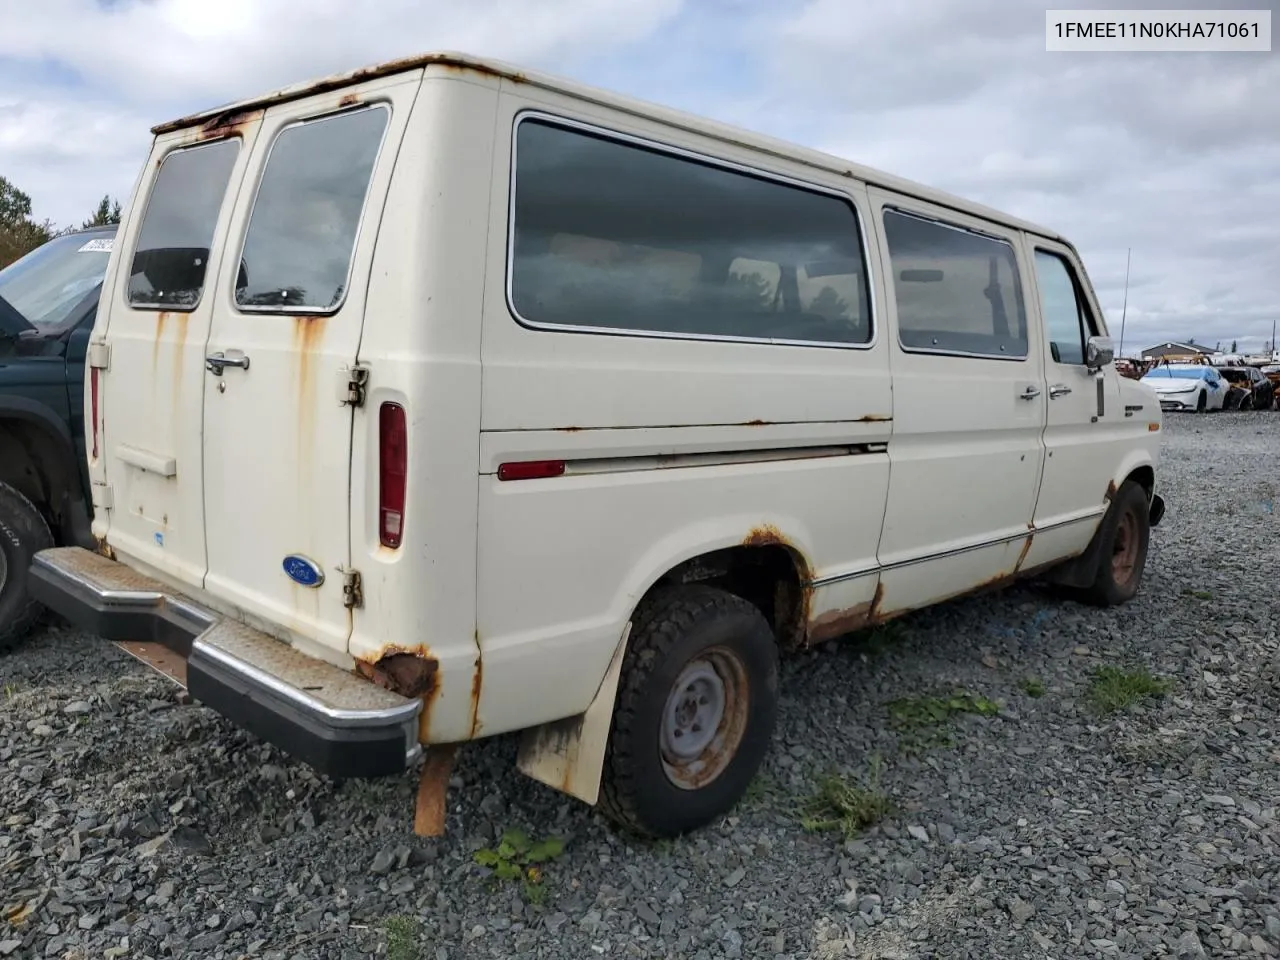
x,y
403,938
761,793
1197,594
516,857
880,639
1033,687
842,805
1113,689
919,719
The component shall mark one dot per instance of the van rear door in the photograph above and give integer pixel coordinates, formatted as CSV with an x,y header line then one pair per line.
x,y
145,387
285,333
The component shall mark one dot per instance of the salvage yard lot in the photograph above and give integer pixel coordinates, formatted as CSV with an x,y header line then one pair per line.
x,y
1042,780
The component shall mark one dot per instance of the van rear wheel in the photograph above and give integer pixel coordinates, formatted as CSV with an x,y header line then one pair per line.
x,y
1125,532
695,713
23,532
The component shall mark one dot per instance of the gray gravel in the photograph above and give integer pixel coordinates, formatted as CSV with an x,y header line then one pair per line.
x,y
132,825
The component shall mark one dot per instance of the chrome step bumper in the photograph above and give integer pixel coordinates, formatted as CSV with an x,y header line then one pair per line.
x,y
336,721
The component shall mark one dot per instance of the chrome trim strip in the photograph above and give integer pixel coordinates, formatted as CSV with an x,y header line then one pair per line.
x,y
708,159
953,552
402,713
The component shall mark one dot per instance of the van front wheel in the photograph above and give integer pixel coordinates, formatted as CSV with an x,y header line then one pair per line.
x,y
23,532
695,713
1125,532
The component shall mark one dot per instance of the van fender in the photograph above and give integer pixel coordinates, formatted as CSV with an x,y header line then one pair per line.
x,y
1081,571
568,754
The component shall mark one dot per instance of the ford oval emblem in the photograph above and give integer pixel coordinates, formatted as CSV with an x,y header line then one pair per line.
x,y
303,571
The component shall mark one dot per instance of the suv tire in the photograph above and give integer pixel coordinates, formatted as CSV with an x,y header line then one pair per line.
x,y
695,713
23,532
1126,534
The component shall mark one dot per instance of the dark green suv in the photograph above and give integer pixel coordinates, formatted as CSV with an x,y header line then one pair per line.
x,y
48,300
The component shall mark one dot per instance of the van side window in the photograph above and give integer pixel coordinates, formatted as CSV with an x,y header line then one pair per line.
x,y
302,233
172,253
957,291
611,235
1066,319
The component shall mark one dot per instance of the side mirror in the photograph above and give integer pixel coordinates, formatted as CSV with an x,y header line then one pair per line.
x,y
1098,352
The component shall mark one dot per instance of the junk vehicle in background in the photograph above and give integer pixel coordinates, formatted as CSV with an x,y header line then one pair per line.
x,y
444,399
48,301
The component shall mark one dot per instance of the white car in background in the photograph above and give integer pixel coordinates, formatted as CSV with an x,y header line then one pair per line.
x,y
1197,387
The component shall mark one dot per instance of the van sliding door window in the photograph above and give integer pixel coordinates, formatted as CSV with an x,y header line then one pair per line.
x,y
306,216
613,235
172,253
957,291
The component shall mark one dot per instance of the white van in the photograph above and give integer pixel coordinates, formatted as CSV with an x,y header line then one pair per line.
x,y
443,400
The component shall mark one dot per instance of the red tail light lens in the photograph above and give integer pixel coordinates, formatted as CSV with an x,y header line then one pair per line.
x,y
393,470
93,397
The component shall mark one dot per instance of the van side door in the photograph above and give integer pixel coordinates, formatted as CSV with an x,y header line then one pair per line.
x,y
1086,431
968,403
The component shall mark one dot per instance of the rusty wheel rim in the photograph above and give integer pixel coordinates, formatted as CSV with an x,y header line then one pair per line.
x,y
1124,552
704,718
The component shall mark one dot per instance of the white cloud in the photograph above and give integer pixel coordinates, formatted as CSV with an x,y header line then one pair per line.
x,y
1172,155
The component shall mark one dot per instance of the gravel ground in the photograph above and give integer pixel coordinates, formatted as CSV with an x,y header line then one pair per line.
x,y
132,825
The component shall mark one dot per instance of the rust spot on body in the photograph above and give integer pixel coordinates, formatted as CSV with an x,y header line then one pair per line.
x,y
1111,491
838,623
348,100
765,535
408,671
755,423
477,685
162,318
1026,548
875,418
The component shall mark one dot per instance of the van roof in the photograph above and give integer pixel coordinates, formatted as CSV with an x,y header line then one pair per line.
x,y
227,114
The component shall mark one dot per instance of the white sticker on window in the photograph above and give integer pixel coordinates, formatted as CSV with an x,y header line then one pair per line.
x,y
100,245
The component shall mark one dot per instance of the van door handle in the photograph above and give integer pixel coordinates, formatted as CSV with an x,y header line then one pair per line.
x,y
1059,390
217,362
1030,393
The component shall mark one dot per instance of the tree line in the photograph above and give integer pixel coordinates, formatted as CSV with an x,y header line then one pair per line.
x,y
20,234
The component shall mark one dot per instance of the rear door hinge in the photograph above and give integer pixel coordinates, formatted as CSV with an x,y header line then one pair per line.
x,y
351,385
101,495
352,589
99,357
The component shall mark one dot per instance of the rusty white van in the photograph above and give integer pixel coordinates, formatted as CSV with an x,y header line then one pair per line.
x,y
444,399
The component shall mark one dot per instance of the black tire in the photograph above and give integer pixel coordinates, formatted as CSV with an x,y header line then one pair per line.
x,y
23,532
1246,403
1126,534
676,632
1202,403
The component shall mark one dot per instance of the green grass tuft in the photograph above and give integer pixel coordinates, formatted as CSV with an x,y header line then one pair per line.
x,y
1033,687
403,938
840,804
1113,689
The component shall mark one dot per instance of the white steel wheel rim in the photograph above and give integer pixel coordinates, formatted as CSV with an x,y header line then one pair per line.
x,y
703,718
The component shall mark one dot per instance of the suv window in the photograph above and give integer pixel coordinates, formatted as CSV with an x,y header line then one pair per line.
x,y
668,244
1065,316
302,233
957,291
172,253
48,285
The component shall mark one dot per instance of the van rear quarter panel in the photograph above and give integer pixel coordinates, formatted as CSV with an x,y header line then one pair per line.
x,y
422,346
563,561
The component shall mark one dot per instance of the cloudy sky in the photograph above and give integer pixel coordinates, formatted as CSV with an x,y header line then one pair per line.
x,y
1176,156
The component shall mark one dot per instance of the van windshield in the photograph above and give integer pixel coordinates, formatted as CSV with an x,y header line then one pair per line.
x,y
47,284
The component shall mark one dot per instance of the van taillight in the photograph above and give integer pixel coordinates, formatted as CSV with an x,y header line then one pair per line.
x,y
393,469
93,403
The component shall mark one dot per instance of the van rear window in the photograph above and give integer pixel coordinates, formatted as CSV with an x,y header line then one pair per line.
x,y
302,233
617,236
172,253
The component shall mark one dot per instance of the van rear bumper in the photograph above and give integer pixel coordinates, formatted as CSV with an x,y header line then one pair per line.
x,y
339,723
